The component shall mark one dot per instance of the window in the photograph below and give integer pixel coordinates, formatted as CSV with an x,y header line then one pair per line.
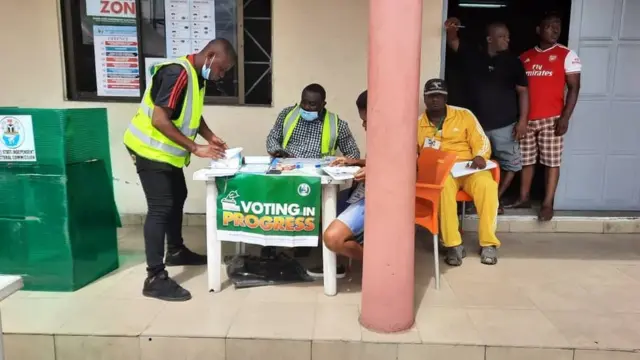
x,y
111,44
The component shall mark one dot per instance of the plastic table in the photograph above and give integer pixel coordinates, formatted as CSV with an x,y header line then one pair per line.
x,y
214,245
9,284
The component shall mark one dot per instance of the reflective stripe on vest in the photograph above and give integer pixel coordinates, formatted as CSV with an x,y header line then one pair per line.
x,y
329,130
157,144
186,130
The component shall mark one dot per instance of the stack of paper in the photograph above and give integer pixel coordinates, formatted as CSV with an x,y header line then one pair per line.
x,y
257,160
341,172
232,160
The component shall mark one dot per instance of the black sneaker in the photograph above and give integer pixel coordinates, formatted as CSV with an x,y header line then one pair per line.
x,y
162,287
318,272
184,256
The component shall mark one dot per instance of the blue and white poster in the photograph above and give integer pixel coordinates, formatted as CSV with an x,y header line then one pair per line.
x,y
16,139
117,66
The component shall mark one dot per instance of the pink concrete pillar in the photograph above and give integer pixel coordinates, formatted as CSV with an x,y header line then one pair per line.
x,y
395,28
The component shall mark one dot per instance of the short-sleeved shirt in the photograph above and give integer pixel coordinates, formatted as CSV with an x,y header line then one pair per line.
x,y
491,85
547,70
169,87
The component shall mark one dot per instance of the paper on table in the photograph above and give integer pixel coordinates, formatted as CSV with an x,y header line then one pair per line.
x,y
254,168
341,172
462,168
261,160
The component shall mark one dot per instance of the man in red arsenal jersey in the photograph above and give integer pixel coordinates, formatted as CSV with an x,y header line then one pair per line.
x,y
550,69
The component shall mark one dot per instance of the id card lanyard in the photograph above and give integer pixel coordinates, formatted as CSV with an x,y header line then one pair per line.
x,y
439,128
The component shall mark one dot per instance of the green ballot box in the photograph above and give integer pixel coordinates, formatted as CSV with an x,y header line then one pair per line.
x,y
58,217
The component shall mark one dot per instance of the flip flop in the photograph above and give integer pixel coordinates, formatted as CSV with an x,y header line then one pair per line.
x,y
545,214
519,205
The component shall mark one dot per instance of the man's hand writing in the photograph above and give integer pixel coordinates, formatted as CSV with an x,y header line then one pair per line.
x,y
478,162
280,154
360,175
209,151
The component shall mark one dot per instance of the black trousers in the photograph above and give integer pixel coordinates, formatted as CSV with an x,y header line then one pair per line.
x,y
166,191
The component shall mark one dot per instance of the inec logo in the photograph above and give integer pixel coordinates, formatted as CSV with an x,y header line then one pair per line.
x,y
12,132
304,189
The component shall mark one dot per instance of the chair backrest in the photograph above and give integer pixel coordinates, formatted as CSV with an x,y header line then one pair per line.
x,y
434,166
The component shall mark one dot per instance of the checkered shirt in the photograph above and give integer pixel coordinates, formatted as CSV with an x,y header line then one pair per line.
x,y
305,141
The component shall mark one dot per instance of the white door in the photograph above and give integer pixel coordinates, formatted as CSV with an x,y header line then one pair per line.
x,y
601,163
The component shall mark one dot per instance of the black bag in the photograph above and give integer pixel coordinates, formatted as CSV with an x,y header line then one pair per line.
x,y
247,271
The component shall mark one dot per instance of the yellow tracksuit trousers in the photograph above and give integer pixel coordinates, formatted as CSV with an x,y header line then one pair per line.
x,y
484,191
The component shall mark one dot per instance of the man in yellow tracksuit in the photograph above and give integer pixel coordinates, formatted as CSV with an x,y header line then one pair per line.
x,y
455,129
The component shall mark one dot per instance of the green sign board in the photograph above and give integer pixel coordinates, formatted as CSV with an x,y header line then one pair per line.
x,y
269,210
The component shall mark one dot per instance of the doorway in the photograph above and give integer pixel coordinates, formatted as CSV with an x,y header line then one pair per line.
x,y
522,17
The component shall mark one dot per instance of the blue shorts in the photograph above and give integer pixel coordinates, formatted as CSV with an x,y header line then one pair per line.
x,y
505,149
351,215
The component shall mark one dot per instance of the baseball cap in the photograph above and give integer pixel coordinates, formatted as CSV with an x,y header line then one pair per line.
x,y
435,86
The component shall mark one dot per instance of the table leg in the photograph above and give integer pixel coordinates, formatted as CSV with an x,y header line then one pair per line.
x,y
329,261
1,343
214,246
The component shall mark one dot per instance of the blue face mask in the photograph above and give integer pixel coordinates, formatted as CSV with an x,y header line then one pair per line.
x,y
308,115
206,69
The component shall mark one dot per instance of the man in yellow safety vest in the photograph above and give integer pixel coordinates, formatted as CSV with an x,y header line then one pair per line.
x,y
310,131
160,140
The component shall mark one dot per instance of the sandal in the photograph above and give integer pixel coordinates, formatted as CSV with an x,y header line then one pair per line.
x,y
519,204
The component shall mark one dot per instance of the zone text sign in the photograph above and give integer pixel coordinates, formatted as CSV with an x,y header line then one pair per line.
x,y
112,8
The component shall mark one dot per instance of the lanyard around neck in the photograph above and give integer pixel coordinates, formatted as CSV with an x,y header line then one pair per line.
x,y
440,123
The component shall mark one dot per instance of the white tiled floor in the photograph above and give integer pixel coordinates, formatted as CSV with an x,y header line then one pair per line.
x,y
549,292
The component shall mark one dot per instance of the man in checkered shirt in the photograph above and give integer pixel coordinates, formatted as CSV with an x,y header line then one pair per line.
x,y
306,139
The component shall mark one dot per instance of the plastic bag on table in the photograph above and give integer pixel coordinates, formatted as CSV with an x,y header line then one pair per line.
x,y
246,271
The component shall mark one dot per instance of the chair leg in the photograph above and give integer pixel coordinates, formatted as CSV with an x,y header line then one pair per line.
x,y
436,261
464,211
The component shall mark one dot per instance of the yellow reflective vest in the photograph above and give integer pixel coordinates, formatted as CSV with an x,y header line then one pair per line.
x,y
147,141
329,139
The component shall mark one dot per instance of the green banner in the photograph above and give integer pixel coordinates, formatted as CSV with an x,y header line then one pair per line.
x,y
269,210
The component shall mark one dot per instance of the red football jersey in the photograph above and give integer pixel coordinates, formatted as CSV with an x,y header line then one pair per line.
x,y
546,70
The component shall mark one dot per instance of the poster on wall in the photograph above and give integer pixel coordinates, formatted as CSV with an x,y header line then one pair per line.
x,y
117,66
16,139
149,63
190,24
